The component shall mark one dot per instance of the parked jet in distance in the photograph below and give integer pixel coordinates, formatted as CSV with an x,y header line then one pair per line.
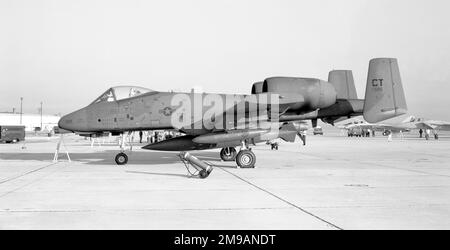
x,y
355,128
411,123
433,125
228,121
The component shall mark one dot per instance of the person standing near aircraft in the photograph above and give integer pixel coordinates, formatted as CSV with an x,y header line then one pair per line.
x,y
427,134
140,136
420,133
389,136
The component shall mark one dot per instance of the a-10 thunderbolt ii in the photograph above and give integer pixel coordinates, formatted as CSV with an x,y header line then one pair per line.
x,y
229,121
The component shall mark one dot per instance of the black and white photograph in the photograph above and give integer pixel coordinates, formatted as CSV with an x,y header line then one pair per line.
x,y
248,117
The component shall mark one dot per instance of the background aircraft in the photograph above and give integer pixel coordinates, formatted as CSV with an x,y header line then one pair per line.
x,y
359,128
429,125
411,123
221,124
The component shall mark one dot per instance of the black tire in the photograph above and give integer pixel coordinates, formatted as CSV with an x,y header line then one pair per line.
x,y
436,137
121,159
228,154
246,159
203,174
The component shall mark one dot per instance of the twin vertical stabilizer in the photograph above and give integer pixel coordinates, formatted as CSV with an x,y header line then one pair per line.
x,y
385,97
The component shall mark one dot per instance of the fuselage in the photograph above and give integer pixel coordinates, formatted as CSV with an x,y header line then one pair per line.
x,y
196,113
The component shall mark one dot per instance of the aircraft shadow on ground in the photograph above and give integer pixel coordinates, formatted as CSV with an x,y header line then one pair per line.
x,y
107,157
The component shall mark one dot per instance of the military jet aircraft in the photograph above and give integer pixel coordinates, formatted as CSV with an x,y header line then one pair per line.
x,y
229,121
409,124
427,125
355,127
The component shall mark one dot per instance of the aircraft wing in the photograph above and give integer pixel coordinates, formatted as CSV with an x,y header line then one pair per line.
x,y
230,138
286,132
424,125
445,127
434,125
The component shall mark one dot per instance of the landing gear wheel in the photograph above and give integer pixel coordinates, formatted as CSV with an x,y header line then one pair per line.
x,y
203,174
436,136
246,159
228,154
121,159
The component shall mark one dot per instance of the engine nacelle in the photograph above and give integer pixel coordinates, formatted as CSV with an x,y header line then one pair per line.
x,y
317,93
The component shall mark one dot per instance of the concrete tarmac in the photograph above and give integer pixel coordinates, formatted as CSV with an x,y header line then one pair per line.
x,y
334,182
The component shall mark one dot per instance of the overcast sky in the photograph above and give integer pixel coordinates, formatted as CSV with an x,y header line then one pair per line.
x,y
66,53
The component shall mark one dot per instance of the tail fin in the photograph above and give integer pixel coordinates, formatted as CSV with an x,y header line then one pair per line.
x,y
385,97
257,88
344,84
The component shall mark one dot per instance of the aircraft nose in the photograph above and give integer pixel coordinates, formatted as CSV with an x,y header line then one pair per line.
x,y
75,121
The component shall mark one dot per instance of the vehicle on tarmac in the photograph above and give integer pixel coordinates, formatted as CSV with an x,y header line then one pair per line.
x,y
318,131
12,134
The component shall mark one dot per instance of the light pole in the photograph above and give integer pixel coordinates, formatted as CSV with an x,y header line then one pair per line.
x,y
21,102
41,116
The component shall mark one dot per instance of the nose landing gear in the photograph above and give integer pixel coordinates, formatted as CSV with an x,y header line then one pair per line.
x,y
121,159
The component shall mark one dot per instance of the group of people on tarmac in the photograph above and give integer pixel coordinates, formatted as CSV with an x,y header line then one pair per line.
x,y
361,132
157,136
427,134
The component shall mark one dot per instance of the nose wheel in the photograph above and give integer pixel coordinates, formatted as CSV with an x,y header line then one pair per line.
x,y
246,159
121,159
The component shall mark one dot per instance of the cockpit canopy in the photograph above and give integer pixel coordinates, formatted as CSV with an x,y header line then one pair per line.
x,y
120,93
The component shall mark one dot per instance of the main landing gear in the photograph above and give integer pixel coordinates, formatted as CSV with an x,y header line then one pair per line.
x,y
244,159
228,154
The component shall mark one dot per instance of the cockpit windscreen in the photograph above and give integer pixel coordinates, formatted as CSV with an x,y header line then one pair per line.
x,y
120,93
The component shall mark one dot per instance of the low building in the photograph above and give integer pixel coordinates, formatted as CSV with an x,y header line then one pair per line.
x,y
32,122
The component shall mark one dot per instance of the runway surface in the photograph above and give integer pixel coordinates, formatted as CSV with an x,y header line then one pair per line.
x,y
334,182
